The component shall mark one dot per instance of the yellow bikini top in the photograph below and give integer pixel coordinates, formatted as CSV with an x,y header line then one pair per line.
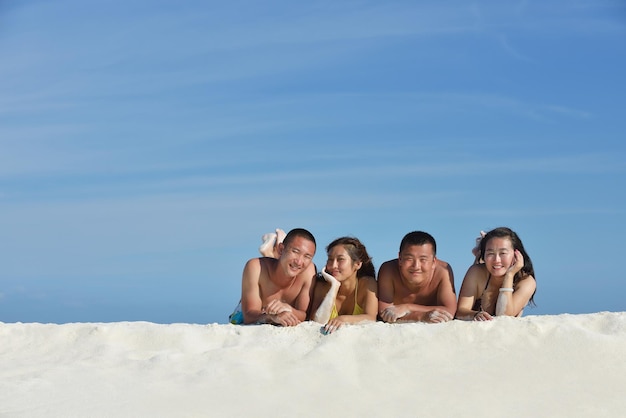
x,y
357,309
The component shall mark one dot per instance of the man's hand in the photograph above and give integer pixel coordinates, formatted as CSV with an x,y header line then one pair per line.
x,y
276,307
281,313
286,319
393,313
437,316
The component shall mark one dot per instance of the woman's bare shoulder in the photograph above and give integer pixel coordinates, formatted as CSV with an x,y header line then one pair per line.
x,y
476,272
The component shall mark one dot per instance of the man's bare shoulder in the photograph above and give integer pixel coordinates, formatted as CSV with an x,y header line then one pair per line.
x,y
441,263
262,261
389,264
389,270
308,274
443,271
443,275
255,266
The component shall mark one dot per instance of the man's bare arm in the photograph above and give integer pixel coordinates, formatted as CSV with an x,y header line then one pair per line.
x,y
251,302
448,268
446,296
385,286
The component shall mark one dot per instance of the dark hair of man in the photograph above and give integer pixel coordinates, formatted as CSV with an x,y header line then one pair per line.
x,y
418,238
298,232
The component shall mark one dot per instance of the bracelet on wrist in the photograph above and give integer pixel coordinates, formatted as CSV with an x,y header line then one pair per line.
x,y
506,289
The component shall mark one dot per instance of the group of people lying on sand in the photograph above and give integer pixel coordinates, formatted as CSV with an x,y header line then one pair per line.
x,y
284,288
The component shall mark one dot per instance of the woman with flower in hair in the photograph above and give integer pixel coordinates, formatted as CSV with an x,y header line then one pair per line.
x,y
348,294
501,282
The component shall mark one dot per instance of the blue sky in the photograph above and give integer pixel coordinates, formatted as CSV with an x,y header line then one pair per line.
x,y
145,146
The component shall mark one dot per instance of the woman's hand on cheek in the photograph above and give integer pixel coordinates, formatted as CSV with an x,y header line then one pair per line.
x,y
518,262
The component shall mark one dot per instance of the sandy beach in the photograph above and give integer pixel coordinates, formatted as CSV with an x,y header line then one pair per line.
x,y
563,365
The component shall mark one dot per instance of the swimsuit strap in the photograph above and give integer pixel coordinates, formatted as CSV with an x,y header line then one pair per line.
x,y
480,299
355,311
335,313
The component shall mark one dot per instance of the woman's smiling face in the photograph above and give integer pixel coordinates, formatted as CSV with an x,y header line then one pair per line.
x,y
339,264
499,256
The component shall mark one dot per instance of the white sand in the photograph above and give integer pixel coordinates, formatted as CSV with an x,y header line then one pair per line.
x,y
547,366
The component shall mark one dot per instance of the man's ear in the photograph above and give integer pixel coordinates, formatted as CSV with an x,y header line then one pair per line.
x,y
280,248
